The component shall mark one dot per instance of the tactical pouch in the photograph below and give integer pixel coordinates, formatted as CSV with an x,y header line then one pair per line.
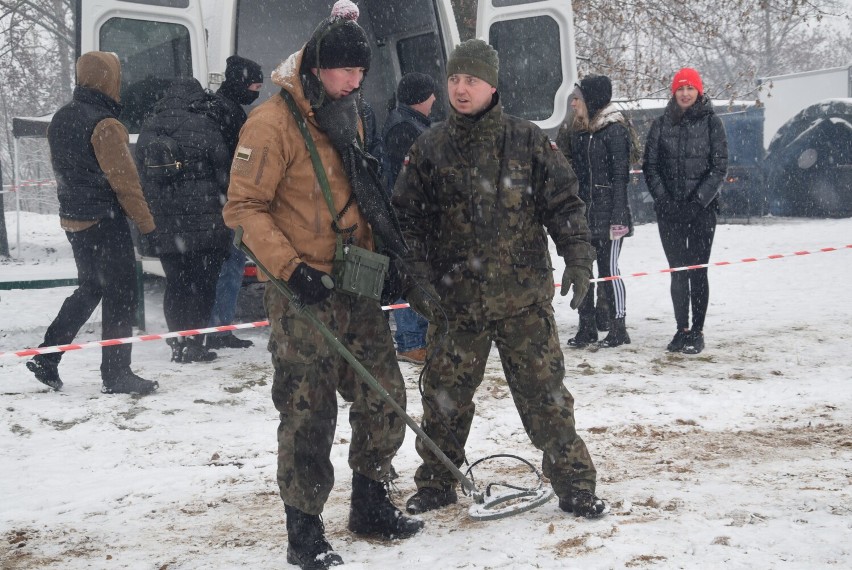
x,y
356,271
360,272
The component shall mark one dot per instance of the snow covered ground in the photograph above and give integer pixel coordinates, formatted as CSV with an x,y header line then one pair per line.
x,y
739,456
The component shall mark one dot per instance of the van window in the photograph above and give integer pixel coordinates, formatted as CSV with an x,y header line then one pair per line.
x,y
505,3
166,3
151,54
530,69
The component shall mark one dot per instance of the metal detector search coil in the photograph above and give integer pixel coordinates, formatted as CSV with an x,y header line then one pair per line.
x,y
487,506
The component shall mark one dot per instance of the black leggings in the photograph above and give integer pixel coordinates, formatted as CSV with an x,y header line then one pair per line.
x,y
689,244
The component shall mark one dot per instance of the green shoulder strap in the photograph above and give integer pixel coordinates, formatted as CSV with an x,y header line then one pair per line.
x,y
312,148
315,160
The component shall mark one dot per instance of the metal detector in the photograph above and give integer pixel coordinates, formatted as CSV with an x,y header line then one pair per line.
x,y
487,505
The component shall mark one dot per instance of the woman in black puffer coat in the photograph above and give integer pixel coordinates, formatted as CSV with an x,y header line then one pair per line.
x,y
686,159
597,144
192,237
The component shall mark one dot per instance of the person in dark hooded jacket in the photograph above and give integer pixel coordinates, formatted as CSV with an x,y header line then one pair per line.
x,y
598,147
686,160
415,96
187,206
243,80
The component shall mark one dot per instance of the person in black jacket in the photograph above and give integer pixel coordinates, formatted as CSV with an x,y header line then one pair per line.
x,y
243,80
193,239
597,144
686,160
415,96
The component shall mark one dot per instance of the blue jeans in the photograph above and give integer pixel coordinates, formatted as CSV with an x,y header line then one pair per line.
x,y
228,288
410,329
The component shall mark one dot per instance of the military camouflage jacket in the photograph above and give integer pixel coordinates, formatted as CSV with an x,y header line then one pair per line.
x,y
474,200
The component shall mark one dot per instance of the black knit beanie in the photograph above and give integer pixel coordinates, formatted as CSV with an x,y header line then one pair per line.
x,y
242,71
596,91
415,88
337,42
477,58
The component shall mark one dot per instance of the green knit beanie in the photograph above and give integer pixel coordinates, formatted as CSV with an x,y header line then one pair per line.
x,y
477,58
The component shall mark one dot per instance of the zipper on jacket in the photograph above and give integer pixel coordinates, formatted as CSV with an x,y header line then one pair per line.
x,y
261,165
591,176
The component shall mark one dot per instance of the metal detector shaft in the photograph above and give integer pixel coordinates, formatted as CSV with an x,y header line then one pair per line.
x,y
359,368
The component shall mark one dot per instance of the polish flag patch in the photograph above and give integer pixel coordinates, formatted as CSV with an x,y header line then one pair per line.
x,y
553,145
405,160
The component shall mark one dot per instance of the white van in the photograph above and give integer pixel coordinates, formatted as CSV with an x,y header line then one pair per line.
x,y
158,40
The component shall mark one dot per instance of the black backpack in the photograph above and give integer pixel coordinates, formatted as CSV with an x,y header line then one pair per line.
x,y
164,159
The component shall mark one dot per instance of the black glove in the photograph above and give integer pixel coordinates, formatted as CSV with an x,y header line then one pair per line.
x,y
576,276
307,283
425,301
666,209
690,210
674,211
152,243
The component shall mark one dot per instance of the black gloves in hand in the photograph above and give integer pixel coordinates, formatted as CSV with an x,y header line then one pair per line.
x,y
425,301
152,243
307,284
689,210
576,276
674,211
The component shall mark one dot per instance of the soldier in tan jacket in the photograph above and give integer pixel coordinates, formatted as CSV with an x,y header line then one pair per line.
x,y
275,196
98,186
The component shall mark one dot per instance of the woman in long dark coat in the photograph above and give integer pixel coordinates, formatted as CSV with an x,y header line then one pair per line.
x,y
597,143
686,159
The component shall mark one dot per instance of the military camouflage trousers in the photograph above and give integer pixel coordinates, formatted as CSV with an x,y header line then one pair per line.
x,y
534,368
309,373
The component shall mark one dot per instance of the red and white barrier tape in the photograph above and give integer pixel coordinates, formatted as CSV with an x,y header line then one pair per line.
x,y
257,324
131,339
722,263
30,184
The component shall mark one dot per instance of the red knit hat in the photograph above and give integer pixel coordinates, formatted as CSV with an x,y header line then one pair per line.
x,y
687,76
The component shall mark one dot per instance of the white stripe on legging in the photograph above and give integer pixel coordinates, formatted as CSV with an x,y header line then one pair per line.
x,y
619,292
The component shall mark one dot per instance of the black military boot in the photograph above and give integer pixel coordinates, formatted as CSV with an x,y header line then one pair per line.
x,y
617,335
694,343
176,344
372,512
678,341
584,503
586,334
306,544
194,350
429,499
46,371
227,340
124,381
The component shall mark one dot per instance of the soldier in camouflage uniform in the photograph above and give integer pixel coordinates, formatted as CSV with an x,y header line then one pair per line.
x,y
474,199
275,196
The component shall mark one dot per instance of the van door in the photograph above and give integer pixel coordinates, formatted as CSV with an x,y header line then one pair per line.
x,y
535,40
405,36
156,41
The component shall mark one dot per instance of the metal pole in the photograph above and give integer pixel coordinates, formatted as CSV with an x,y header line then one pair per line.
x,y
140,294
16,175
